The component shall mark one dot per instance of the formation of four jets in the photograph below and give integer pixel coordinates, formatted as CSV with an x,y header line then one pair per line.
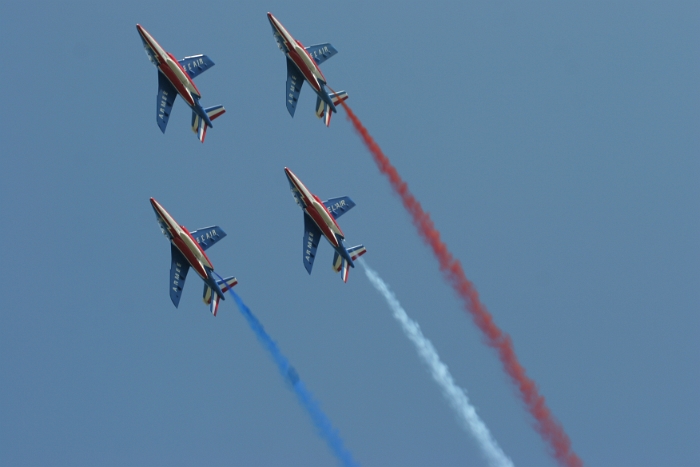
x,y
175,77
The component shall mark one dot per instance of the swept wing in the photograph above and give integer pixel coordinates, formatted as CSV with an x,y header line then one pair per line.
x,y
294,81
312,235
166,98
178,273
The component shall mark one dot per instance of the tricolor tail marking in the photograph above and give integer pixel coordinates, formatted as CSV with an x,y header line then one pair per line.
x,y
324,111
214,306
215,112
211,298
199,126
341,265
548,427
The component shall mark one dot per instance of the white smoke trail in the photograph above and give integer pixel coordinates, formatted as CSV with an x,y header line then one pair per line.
x,y
455,395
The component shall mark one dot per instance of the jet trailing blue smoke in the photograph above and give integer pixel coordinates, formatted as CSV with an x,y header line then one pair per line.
x,y
323,424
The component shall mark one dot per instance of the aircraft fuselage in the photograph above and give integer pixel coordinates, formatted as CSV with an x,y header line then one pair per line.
x,y
318,212
295,51
183,241
171,69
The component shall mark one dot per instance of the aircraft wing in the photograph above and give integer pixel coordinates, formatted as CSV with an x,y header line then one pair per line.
x,y
166,98
196,64
339,206
178,272
321,52
207,236
312,235
294,81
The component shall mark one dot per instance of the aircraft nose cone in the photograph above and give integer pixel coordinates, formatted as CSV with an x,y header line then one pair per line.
x,y
290,175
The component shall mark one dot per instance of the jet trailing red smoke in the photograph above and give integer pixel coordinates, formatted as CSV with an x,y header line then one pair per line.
x,y
551,431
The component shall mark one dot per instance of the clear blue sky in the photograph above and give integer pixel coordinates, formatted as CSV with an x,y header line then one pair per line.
x,y
555,146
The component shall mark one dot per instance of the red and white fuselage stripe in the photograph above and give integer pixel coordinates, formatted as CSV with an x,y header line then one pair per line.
x,y
171,69
298,54
317,211
184,242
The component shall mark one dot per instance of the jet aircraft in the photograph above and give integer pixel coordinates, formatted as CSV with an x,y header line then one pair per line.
x,y
175,77
303,64
320,219
187,250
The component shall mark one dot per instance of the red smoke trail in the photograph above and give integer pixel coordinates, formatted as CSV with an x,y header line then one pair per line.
x,y
550,430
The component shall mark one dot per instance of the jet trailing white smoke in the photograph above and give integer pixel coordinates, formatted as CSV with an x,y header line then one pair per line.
x,y
455,395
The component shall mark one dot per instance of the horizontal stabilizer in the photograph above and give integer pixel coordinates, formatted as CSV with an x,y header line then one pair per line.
x,y
196,64
214,305
320,107
342,266
208,236
337,262
345,271
199,125
212,299
324,111
339,206
321,52
225,285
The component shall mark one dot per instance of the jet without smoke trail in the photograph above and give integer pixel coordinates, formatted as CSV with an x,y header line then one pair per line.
x,y
455,395
546,425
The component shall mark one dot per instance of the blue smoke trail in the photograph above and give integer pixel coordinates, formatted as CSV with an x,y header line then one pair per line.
x,y
323,424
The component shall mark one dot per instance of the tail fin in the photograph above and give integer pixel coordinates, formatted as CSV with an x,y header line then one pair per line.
x,y
211,298
215,111
338,96
342,265
199,126
357,251
227,284
324,111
